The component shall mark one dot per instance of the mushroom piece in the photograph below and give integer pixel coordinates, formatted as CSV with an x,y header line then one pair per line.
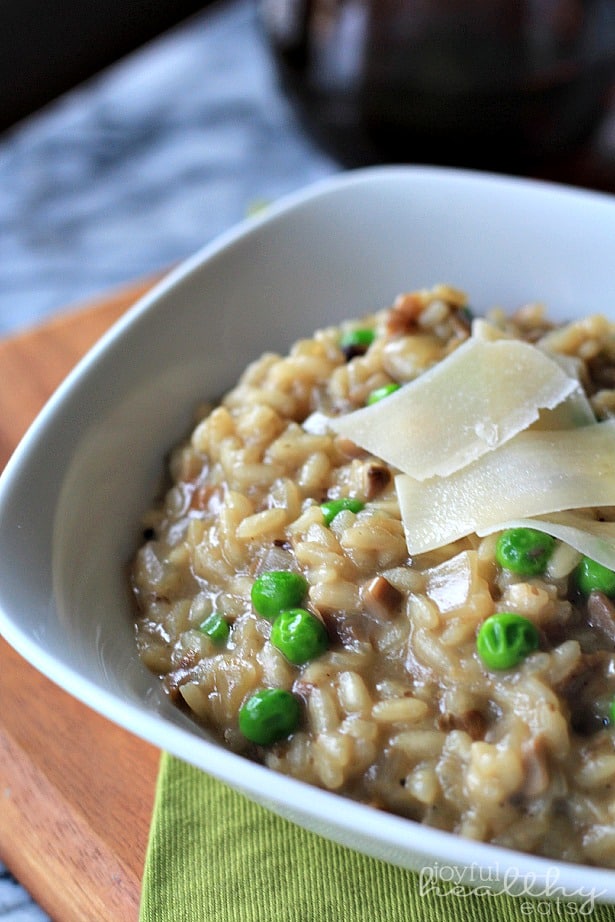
x,y
601,614
584,688
403,316
377,477
381,599
473,722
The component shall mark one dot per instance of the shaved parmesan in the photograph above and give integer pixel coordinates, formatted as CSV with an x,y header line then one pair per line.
x,y
470,403
536,473
585,534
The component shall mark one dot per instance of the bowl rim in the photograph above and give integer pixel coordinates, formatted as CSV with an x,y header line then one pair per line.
x,y
388,830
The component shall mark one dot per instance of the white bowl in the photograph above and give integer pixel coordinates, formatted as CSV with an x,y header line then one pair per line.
x,y
72,496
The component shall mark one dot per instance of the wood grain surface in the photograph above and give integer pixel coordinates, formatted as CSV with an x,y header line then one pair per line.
x,y
76,792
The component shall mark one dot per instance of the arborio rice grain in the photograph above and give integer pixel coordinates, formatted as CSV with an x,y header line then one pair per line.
x,y
400,711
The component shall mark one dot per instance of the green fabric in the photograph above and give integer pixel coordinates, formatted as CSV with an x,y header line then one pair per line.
x,y
214,856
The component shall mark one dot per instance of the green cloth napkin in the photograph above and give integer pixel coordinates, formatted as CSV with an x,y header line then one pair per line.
x,y
214,856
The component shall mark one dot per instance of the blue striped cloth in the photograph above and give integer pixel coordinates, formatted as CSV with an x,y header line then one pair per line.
x,y
15,904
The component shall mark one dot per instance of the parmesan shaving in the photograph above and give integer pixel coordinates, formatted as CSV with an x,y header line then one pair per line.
x,y
585,534
536,473
472,402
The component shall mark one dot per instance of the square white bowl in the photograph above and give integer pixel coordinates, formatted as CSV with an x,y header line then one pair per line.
x,y
73,494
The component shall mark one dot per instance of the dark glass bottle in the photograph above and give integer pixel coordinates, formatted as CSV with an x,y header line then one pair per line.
x,y
485,83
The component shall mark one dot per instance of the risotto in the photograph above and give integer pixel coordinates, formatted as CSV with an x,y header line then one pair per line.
x,y
464,681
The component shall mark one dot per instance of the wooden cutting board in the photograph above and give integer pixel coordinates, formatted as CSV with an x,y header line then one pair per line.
x,y
76,792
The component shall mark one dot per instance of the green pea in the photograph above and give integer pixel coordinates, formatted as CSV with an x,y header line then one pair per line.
x,y
276,590
269,715
592,576
381,392
216,627
357,342
525,551
299,635
334,506
505,639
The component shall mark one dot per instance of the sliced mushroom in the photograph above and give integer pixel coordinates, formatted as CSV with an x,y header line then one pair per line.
x,y
583,689
405,313
461,323
473,722
601,615
381,599
376,477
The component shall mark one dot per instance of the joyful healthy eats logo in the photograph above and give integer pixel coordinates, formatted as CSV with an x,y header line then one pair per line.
x,y
540,897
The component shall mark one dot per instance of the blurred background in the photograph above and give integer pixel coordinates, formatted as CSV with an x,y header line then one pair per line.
x,y
133,132
144,155
47,48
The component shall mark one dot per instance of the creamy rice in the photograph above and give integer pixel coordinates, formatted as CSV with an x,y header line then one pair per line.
x,y
400,712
